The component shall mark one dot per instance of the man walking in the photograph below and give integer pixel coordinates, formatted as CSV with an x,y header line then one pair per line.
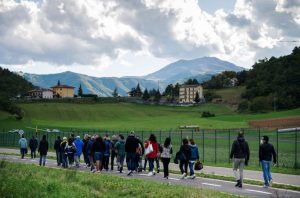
x,y
266,153
130,148
23,146
240,154
33,144
57,148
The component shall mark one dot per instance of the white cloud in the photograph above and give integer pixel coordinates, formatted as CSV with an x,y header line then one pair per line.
x,y
114,35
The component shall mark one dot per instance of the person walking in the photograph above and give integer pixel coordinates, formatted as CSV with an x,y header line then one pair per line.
x,y
33,144
70,150
23,146
131,146
120,151
79,146
98,149
139,155
114,140
64,155
57,149
240,155
266,153
184,157
194,157
84,150
43,149
90,154
106,153
157,158
152,155
165,156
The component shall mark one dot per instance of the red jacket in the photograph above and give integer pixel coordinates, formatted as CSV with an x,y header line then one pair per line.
x,y
155,149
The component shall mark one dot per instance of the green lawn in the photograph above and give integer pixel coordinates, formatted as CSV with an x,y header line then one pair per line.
x,y
127,116
34,181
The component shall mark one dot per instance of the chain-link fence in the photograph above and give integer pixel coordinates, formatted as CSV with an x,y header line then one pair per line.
x,y
214,145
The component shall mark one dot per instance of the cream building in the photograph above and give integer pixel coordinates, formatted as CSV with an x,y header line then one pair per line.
x,y
187,93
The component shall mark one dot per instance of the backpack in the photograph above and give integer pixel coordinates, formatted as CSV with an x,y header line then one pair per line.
x,y
70,149
180,156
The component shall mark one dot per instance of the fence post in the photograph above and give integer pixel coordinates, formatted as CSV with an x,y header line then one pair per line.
x,y
160,136
192,133
277,149
203,145
215,146
296,137
229,148
180,136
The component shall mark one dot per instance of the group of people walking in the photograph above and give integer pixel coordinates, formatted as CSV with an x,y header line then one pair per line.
x,y
100,152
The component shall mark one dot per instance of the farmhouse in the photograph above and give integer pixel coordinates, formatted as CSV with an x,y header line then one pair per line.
x,y
187,93
63,91
41,93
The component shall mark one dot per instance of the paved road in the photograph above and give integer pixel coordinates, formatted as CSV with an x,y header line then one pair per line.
x,y
223,186
248,174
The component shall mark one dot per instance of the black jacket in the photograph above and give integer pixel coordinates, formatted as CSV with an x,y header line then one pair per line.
x,y
186,150
57,145
266,151
33,143
43,147
98,147
240,149
131,144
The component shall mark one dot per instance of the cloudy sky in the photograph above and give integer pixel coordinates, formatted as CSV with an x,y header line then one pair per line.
x,y
137,37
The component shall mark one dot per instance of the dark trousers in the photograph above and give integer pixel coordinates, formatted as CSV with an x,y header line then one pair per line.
x,y
33,153
166,162
64,160
112,159
58,157
130,160
157,162
86,159
145,163
23,151
183,165
151,164
105,161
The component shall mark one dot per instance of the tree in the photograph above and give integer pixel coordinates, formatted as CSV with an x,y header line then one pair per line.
x,y
138,91
146,95
58,83
80,93
191,82
157,96
197,98
115,93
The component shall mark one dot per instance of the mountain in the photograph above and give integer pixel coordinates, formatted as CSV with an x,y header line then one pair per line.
x,y
100,86
200,68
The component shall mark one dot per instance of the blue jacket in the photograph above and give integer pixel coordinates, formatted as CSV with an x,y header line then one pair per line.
x,y
107,147
23,143
194,152
79,145
89,147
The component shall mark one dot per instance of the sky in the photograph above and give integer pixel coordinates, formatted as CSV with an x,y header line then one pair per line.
x,y
138,37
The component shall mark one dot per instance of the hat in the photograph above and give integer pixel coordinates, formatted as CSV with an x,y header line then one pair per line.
x,y
78,137
64,138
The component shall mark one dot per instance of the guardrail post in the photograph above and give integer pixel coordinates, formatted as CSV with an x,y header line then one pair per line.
x,y
215,146
296,141
229,148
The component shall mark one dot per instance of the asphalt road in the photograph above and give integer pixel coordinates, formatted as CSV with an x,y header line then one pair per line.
x,y
219,185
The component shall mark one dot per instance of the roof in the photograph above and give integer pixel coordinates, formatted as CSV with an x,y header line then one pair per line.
x,y
195,85
63,86
40,90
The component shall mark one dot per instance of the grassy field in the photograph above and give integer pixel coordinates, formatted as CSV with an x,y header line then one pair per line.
x,y
127,116
33,181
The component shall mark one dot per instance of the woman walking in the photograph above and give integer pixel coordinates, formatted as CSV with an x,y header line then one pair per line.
x,y
184,157
120,151
98,149
43,149
152,155
194,157
166,154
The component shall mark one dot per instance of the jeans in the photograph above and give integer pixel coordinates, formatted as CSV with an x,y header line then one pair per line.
x,y
130,160
58,157
157,163
166,162
191,166
33,153
183,165
22,151
151,164
145,163
113,156
120,159
238,163
106,162
42,159
64,160
266,171
77,160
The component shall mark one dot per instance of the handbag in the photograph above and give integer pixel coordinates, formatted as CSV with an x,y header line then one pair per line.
x,y
198,165
149,149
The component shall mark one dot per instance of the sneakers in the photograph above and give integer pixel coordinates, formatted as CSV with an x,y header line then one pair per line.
x,y
158,170
183,176
166,177
239,184
151,174
129,173
193,176
271,182
265,186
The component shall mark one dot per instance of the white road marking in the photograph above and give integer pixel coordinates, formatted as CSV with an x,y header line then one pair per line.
x,y
209,184
170,178
258,191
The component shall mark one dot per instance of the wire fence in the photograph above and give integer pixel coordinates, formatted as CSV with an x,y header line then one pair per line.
x,y
214,145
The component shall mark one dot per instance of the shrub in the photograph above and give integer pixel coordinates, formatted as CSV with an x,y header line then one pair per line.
x,y
244,105
206,114
261,104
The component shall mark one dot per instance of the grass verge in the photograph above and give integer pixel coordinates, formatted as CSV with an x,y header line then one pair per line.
x,y
35,181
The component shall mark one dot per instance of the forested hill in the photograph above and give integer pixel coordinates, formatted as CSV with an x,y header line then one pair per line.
x,y
12,84
276,81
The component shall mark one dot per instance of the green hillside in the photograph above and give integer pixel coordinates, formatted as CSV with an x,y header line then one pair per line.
x,y
127,116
